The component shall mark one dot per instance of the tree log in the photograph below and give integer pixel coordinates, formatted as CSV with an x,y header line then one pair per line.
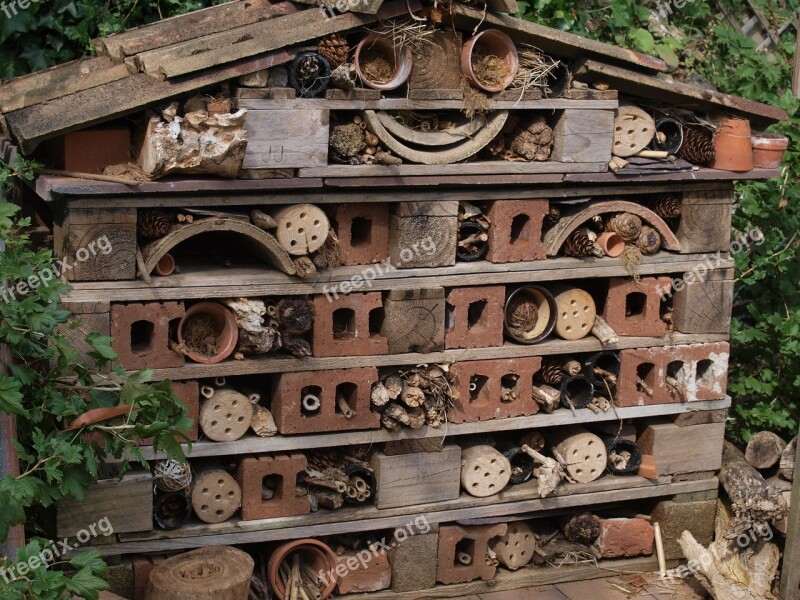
x,y
213,573
787,460
764,450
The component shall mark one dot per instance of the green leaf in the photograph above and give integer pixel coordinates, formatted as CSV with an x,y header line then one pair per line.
x,y
642,40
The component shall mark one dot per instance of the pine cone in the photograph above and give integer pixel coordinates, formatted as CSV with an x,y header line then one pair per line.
x,y
552,217
667,206
334,48
698,146
649,241
579,244
626,225
551,372
535,142
154,223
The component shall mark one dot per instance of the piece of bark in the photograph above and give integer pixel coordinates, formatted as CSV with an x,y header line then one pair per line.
x,y
412,396
755,503
787,460
305,267
297,347
263,424
764,450
583,528
262,220
254,336
394,385
380,395
533,439
548,397
603,332
397,413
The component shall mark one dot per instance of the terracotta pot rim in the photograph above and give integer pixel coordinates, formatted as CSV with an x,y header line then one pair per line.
x,y
547,297
403,62
229,334
612,243
511,58
165,265
770,141
280,554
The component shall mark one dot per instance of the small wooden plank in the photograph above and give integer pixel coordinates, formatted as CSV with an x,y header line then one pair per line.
x,y
412,438
419,478
701,417
371,519
473,168
583,136
286,139
684,449
704,302
128,505
408,104
58,81
705,227
700,174
175,30
437,64
790,578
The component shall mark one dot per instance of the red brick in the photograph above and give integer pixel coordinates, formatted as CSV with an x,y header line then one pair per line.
x,y
189,393
142,566
515,233
155,352
621,538
287,408
472,540
648,321
357,340
90,150
376,576
285,503
485,402
488,304
363,231
703,374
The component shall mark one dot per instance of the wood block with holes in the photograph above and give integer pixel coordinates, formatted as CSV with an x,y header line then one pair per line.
x,y
141,334
343,325
127,503
683,449
515,233
414,320
363,231
494,389
583,136
423,234
279,474
705,222
634,308
87,317
286,139
584,452
436,74
475,317
462,553
343,401
419,478
95,244
704,304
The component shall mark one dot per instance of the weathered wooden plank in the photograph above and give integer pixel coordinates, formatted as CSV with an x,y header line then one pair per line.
x,y
474,168
704,303
106,102
256,445
212,282
286,139
701,174
705,224
583,136
251,99
250,40
666,90
684,449
58,81
371,519
175,30
790,578
418,478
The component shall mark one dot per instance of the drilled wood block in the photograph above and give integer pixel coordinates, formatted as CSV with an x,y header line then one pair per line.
x,y
420,478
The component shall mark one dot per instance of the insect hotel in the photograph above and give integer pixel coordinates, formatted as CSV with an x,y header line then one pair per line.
x,y
438,286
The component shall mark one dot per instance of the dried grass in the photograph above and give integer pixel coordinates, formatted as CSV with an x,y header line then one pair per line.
x,y
375,66
199,335
535,69
474,101
490,70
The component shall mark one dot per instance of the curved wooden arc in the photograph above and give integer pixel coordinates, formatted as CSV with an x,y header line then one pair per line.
x,y
266,246
431,138
447,156
555,238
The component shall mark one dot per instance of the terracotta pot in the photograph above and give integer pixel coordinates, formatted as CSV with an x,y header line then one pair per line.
x,y
312,552
165,265
400,59
548,313
611,243
225,328
98,415
733,146
496,43
768,149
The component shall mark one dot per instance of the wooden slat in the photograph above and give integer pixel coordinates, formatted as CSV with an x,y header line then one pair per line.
x,y
253,444
518,499
796,65
204,281
790,577
271,364
408,104
474,168
696,175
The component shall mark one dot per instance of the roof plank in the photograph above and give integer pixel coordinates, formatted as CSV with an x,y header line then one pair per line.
x,y
242,42
183,27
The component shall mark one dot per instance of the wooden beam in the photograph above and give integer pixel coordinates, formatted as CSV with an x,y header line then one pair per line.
x,y
796,69
790,577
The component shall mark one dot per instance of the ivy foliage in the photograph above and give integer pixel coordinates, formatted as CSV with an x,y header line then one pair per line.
x,y
765,362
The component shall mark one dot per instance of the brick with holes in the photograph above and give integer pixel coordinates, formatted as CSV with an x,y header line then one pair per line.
x,y
475,317
363,231
342,326
141,334
634,308
324,401
494,389
515,233
462,553
278,473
